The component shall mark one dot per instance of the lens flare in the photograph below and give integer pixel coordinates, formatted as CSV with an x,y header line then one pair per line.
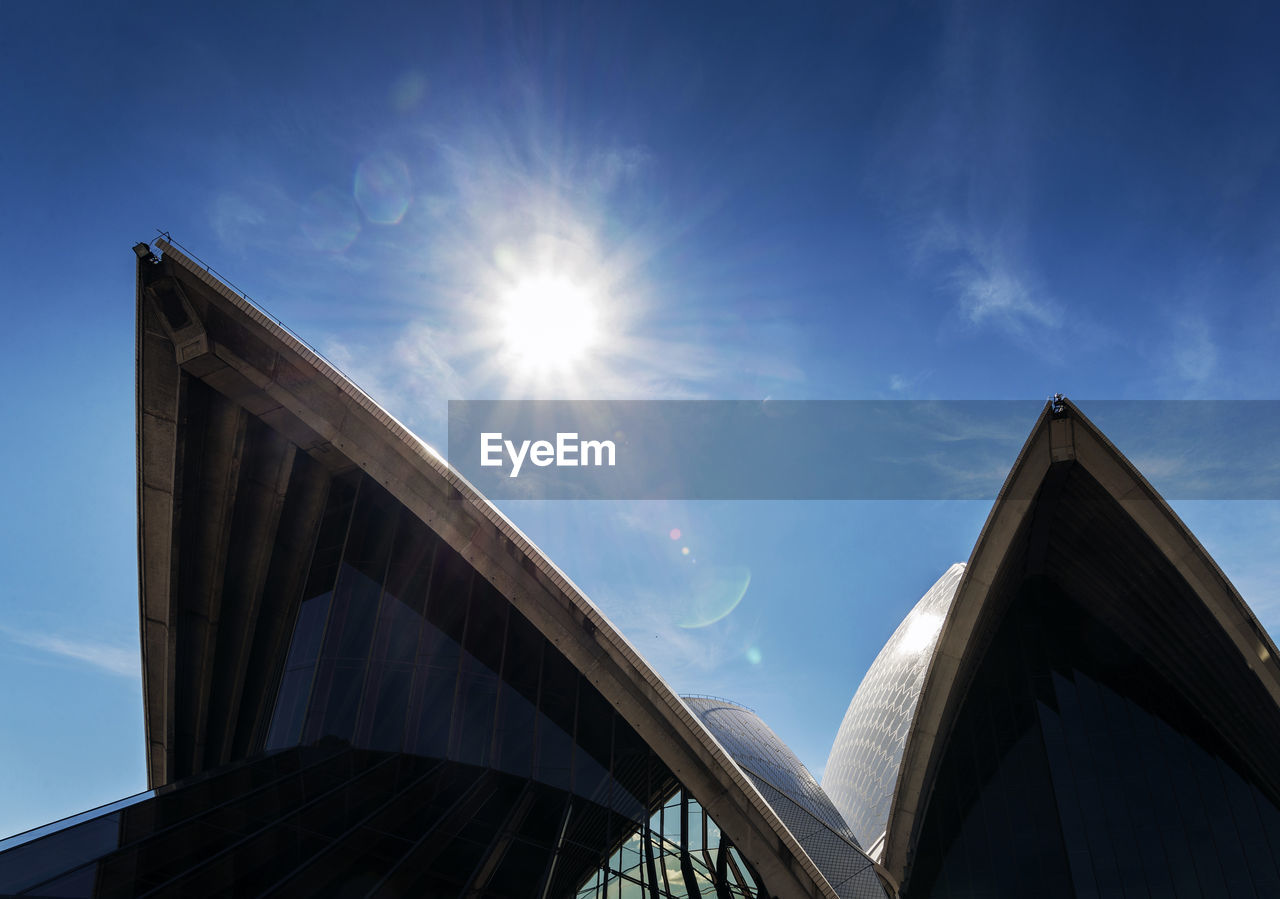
x,y
383,188
714,592
330,221
408,91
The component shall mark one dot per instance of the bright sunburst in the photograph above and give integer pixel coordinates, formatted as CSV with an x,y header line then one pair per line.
x,y
549,322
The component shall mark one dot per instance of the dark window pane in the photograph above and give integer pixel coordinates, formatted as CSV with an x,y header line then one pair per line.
x,y
450,590
522,656
334,701
476,702
291,706
432,702
631,772
396,639
437,649
557,707
332,536
390,705
355,608
486,624
559,693
514,730
373,526
554,757
82,882
409,573
308,632
595,743
50,856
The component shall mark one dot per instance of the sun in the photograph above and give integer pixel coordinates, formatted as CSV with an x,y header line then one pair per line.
x,y
549,322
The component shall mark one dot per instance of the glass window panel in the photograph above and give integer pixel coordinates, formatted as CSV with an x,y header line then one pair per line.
x,y
450,591
373,525
630,771
434,687
522,868
554,760
595,725
390,707
396,635
51,855
522,656
477,701
332,536
307,633
335,700
355,607
409,571
486,624
1262,862
291,706
83,882
436,649
558,696
514,731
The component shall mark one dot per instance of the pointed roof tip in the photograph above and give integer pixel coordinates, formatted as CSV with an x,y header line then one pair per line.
x,y
1062,440
346,427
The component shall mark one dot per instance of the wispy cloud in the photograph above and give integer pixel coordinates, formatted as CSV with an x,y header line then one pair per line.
x,y
413,379
236,220
117,660
899,383
992,292
960,172
1194,352
983,261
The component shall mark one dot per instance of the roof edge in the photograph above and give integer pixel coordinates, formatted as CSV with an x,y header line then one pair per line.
x,y
1062,433
703,750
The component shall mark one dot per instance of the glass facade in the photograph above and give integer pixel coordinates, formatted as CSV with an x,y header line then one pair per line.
x,y
1076,770
679,853
426,740
399,646
327,820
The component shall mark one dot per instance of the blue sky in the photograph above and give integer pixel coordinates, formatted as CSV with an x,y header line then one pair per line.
x,y
918,200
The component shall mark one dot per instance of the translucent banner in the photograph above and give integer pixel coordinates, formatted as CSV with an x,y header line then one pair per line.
x,y
855,449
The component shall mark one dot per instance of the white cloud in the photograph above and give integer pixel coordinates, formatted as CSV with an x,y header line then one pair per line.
x,y
906,383
1156,467
992,293
118,660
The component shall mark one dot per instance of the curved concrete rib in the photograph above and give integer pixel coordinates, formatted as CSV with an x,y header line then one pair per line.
x,y
257,363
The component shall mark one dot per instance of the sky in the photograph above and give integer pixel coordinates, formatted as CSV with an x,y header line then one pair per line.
x,y
943,200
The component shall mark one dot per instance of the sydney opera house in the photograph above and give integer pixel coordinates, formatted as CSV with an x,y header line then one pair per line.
x,y
361,680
